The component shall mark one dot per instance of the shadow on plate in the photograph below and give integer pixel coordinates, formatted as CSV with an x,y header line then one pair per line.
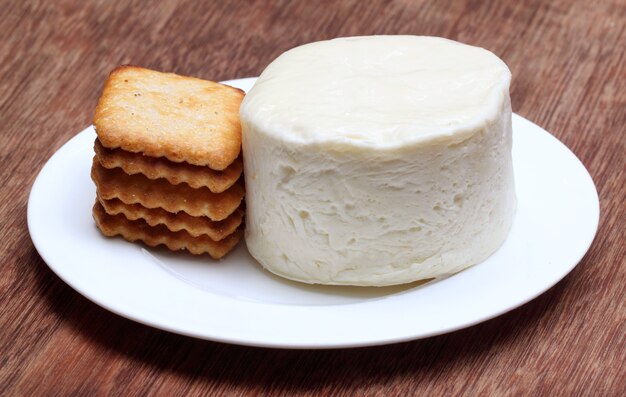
x,y
241,277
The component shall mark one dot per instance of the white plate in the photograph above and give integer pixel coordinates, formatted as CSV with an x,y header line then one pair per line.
x,y
235,301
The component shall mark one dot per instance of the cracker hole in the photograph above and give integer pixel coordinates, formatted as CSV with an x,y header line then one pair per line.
x,y
458,200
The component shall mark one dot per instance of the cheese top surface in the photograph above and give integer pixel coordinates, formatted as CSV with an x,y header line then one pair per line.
x,y
379,91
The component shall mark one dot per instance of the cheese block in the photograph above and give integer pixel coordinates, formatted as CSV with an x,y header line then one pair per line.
x,y
378,160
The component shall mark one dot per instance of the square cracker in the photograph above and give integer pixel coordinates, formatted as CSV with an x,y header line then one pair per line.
x,y
119,225
183,119
194,225
159,193
175,173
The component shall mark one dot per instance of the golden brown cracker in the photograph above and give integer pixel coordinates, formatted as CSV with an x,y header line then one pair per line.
x,y
194,225
159,193
114,225
159,167
167,115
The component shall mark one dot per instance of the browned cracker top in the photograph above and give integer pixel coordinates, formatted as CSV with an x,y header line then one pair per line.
x,y
167,115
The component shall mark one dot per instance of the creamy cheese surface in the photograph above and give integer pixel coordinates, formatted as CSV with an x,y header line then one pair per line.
x,y
378,160
381,91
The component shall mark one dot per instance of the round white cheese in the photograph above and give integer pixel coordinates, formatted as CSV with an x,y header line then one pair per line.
x,y
378,160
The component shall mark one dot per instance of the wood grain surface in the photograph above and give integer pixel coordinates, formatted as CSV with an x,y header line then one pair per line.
x,y
568,60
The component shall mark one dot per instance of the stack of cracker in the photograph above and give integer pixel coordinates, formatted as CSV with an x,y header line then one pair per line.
x,y
167,167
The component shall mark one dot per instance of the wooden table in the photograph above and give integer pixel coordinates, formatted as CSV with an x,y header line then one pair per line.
x,y
568,60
